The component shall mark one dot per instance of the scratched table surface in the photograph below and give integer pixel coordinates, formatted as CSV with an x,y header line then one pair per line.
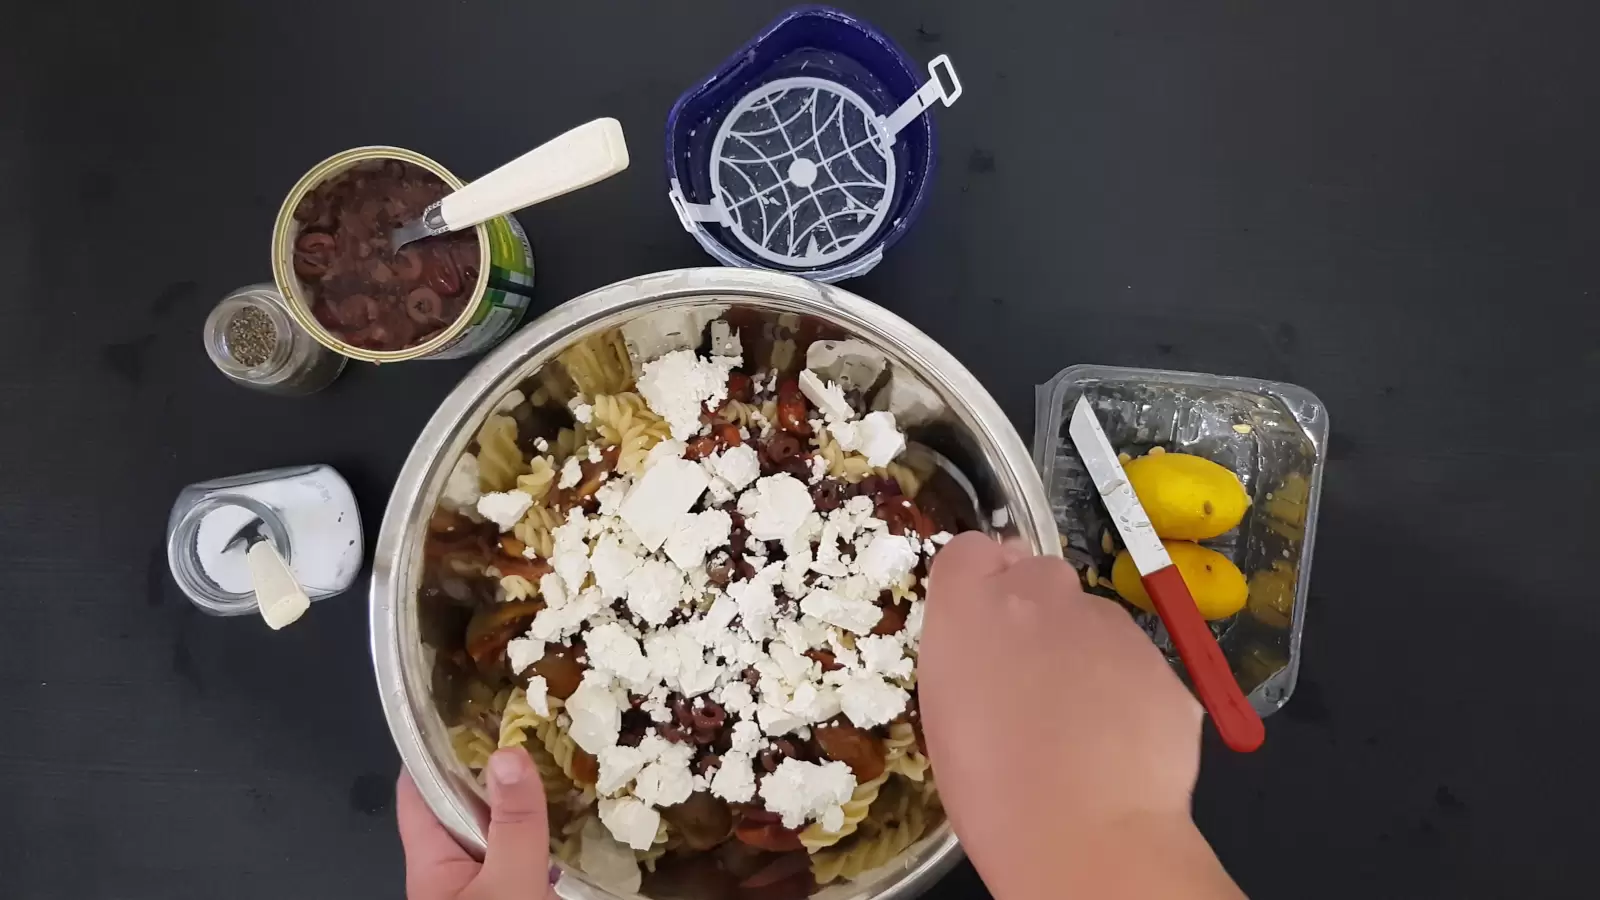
x,y
1393,204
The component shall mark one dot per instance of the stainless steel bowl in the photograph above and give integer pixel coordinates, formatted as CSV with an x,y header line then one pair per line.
x,y
959,420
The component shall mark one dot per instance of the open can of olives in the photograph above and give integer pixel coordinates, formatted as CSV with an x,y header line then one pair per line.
x,y
447,297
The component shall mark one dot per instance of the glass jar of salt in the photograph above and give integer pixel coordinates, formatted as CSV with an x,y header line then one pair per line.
x,y
307,512
254,341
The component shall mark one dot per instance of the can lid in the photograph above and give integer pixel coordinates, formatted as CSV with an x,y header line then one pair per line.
x,y
808,151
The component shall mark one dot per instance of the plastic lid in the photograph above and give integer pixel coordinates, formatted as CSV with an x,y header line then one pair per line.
x,y
791,156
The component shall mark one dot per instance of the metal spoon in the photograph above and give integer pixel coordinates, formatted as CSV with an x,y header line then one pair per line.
x,y
579,158
947,483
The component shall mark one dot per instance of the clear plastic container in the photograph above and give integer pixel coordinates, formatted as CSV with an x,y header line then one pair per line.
x,y
1274,436
271,353
308,513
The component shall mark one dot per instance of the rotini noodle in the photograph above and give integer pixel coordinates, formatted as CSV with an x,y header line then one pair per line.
x,y
541,474
599,364
909,479
624,420
658,848
499,457
536,530
815,837
516,587
903,756
757,418
472,745
849,465
518,720
901,826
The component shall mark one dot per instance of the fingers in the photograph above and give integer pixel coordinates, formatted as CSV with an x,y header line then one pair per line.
x,y
436,866
517,863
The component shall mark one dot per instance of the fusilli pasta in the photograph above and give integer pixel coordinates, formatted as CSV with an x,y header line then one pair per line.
x,y
515,724
516,587
599,364
903,756
535,530
540,475
846,464
499,457
625,421
473,745
758,418
815,837
902,824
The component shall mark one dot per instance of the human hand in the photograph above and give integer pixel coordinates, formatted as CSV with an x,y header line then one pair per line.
x,y
517,864
1065,747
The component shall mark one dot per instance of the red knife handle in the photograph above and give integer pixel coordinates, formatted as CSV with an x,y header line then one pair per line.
x,y
1236,720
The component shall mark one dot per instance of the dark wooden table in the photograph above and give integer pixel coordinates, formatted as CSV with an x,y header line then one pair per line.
x,y
1393,204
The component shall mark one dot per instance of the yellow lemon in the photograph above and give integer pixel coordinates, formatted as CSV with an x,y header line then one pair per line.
x,y
1189,498
1218,587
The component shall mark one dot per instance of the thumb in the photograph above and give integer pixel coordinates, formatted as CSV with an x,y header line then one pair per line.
x,y
517,861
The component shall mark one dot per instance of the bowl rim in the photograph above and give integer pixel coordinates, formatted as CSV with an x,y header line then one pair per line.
x,y
449,430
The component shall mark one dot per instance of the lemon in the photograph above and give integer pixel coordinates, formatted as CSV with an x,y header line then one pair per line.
x,y
1188,498
1218,587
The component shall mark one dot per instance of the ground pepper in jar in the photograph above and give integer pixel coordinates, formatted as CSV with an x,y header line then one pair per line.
x,y
251,337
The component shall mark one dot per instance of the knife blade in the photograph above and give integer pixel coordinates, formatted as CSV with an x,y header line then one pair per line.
x,y
1237,721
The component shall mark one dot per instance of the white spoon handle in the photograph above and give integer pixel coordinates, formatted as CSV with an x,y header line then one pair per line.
x,y
586,154
277,593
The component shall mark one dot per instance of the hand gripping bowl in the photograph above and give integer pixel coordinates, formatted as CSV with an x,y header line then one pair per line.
x,y
942,406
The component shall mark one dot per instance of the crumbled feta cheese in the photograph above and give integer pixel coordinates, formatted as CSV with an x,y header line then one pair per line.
x,y
850,613
596,713
828,398
678,385
595,454
814,703
887,559
757,604
612,564
798,790
653,591
554,590
571,473
461,491
735,779
671,448
881,440
571,559
583,412
664,783
697,534
819,469
523,652
655,705
631,821
868,700
678,658
618,767
538,694
738,466
911,401
504,508
553,623
737,699
541,445
884,655
775,507
608,861
667,491
1000,518
612,650
719,491
610,497
775,720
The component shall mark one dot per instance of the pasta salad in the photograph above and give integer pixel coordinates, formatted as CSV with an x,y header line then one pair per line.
x,y
684,568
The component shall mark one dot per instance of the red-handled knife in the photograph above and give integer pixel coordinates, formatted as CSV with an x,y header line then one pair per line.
x,y
1236,720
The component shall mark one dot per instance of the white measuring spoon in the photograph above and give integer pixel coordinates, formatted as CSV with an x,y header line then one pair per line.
x,y
589,153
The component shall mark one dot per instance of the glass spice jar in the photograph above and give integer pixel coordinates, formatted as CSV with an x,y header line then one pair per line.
x,y
253,340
